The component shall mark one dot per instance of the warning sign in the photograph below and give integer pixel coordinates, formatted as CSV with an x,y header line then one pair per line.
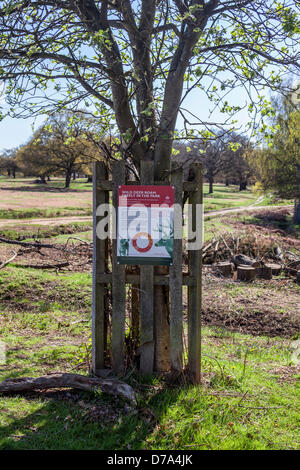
x,y
145,232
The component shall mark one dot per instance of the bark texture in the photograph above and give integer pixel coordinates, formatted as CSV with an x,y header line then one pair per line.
x,y
89,384
162,358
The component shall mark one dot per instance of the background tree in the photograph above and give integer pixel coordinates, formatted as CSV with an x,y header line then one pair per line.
x,y
33,158
8,162
60,146
224,155
236,167
135,62
278,166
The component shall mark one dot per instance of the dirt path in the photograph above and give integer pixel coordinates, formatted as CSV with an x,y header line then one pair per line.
x,y
73,219
45,221
243,209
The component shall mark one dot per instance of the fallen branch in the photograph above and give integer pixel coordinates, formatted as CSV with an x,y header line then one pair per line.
x,y
35,245
9,260
90,384
79,239
45,266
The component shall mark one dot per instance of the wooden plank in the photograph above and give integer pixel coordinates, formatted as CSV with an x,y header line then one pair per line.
x,y
158,279
188,186
146,296
99,262
118,283
195,292
176,281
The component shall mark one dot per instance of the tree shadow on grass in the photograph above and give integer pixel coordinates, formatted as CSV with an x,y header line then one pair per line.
x,y
44,188
75,420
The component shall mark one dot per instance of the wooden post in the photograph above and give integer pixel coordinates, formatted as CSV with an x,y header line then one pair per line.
x,y
99,253
146,296
176,281
118,283
195,292
135,314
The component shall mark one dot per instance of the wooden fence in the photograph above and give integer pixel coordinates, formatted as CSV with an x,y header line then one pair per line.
x,y
116,277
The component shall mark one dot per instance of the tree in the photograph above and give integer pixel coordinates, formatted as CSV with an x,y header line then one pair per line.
x,y
211,153
59,146
33,158
9,163
278,166
135,62
236,166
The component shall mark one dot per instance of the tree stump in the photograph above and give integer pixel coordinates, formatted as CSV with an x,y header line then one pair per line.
x,y
224,268
265,272
245,273
276,268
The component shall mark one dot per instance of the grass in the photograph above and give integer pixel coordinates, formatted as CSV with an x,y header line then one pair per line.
x,y
248,399
57,183
225,197
57,232
44,213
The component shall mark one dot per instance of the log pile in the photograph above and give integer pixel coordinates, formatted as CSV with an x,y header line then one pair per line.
x,y
249,257
38,255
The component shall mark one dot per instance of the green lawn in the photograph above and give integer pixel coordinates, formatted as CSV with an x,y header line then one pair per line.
x,y
248,399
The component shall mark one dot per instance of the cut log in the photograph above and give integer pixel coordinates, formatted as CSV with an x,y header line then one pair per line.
x,y
90,384
246,273
278,254
243,260
276,268
225,268
265,272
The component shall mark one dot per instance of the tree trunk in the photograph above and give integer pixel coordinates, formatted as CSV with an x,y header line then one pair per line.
x,y
89,179
74,175
297,211
14,173
68,178
161,302
227,182
211,185
162,358
243,185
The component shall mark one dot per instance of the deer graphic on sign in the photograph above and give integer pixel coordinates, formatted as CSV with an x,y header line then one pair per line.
x,y
167,239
